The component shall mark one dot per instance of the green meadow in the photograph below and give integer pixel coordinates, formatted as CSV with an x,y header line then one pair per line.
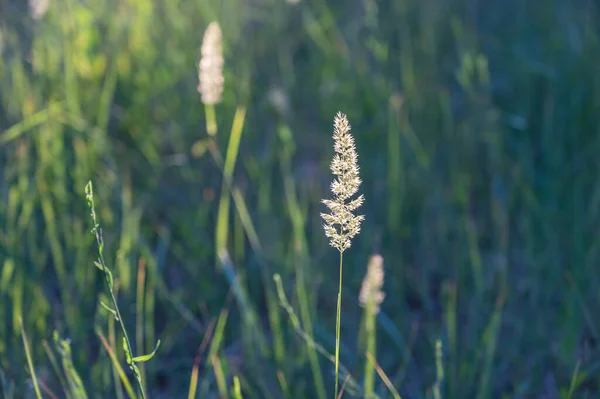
x,y
154,244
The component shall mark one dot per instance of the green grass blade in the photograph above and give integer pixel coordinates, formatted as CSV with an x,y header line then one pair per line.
x,y
222,231
36,387
117,366
56,369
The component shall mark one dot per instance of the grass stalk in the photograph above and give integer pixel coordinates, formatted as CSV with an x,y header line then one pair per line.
x,y
211,119
371,296
139,314
439,370
369,378
112,341
338,328
341,225
108,279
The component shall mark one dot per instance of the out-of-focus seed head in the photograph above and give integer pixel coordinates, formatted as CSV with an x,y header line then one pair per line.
x,y
38,8
210,68
371,289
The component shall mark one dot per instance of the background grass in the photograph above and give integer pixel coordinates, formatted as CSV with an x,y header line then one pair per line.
x,y
477,126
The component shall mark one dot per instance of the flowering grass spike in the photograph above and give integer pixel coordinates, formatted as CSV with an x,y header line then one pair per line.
x,y
341,225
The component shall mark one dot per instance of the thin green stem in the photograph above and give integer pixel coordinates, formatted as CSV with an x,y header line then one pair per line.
x,y
337,329
120,319
211,119
439,366
351,385
371,314
109,286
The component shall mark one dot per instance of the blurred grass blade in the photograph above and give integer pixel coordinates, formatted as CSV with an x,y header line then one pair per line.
x,y
36,387
575,381
383,376
56,369
30,122
117,366
298,219
7,389
222,231
73,379
220,377
284,385
490,340
194,380
215,345
249,314
196,367
237,390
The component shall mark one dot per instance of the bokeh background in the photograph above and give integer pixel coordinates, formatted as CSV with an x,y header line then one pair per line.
x,y
478,133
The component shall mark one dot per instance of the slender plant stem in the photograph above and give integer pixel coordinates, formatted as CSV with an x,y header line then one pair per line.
x,y
120,319
109,286
211,119
337,330
371,348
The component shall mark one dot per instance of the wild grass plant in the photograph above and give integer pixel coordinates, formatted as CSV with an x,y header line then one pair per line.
x,y
113,307
341,225
371,296
477,131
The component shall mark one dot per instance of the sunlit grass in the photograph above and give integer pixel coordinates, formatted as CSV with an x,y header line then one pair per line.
x,y
477,131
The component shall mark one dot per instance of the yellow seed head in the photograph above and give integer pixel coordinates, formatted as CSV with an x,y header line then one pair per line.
x,y
341,225
371,289
210,68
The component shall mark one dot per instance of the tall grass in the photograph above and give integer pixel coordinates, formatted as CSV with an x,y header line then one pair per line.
x,y
371,296
477,130
341,225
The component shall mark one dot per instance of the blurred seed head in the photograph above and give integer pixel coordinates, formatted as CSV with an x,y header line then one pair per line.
x,y
210,68
341,225
38,8
396,100
371,289
279,100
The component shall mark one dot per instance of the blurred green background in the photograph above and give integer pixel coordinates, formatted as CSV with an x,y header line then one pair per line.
x,y
478,131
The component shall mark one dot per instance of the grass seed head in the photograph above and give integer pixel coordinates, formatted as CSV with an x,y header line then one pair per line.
x,y
210,68
38,8
341,225
371,289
